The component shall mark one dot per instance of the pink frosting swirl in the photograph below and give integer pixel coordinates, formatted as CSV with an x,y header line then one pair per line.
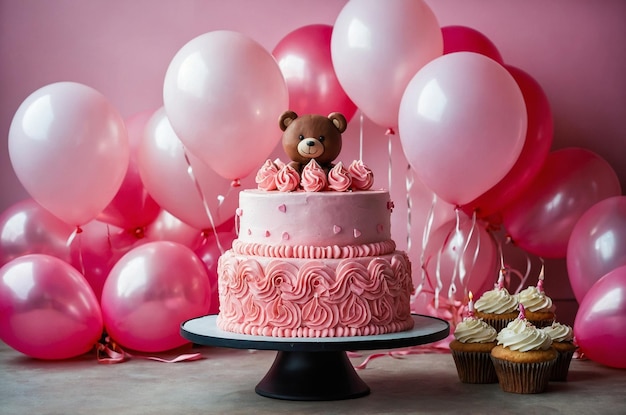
x,y
362,176
313,177
339,179
314,279
354,311
266,176
383,310
279,278
283,314
352,278
287,179
318,314
378,285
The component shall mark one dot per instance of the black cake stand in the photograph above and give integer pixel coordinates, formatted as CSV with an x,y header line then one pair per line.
x,y
313,369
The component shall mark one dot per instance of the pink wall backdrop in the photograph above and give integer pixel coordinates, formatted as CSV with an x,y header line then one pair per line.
x,y
574,48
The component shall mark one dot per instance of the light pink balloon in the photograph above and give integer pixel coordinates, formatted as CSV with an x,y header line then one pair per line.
x,y
164,172
601,318
47,309
209,252
377,47
132,207
224,93
537,145
462,125
597,244
303,56
167,227
27,228
69,149
445,247
571,180
150,291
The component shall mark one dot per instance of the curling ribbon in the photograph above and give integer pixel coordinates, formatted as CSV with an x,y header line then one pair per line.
x,y
410,180
425,236
76,235
360,135
110,352
204,202
389,133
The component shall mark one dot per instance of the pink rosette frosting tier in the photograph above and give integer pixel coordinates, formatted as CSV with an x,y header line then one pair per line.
x,y
314,298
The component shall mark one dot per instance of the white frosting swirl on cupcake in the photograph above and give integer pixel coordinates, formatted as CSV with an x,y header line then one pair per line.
x,y
496,301
474,330
559,332
522,336
534,300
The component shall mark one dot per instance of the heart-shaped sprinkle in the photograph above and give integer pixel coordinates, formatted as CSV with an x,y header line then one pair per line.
x,y
357,233
282,208
336,229
285,236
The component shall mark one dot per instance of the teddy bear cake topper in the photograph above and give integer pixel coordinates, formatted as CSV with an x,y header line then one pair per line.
x,y
313,142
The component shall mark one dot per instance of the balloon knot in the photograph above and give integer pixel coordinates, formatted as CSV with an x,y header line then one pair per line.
x,y
139,232
79,229
235,183
390,131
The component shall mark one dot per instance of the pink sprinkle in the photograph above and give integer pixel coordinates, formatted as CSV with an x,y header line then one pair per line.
x,y
357,233
380,228
285,236
522,312
249,232
267,234
239,212
282,208
336,229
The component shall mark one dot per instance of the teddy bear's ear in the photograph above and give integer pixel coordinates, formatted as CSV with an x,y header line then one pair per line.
x,y
339,121
286,119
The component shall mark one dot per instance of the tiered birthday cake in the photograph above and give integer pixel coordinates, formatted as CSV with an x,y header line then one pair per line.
x,y
314,256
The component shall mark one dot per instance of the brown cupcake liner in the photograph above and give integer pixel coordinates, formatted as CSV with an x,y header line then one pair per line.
x,y
541,323
561,366
474,367
523,377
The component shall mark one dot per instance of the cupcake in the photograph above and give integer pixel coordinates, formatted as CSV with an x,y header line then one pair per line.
x,y
497,307
524,357
563,342
471,349
539,307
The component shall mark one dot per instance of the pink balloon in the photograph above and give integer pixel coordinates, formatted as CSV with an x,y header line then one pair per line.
x,y
97,248
69,149
150,291
164,172
303,56
445,247
224,93
132,207
377,47
47,309
462,125
167,227
537,145
601,318
467,39
597,244
209,252
27,228
571,180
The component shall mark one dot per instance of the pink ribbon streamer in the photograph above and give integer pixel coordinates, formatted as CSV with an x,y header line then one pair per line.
x,y
110,352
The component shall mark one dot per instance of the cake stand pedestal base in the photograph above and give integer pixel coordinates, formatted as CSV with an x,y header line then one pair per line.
x,y
312,376
313,369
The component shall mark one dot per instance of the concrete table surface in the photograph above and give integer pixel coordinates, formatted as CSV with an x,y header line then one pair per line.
x,y
223,383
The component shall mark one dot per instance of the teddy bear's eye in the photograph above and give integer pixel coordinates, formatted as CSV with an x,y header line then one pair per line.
x,y
301,137
321,138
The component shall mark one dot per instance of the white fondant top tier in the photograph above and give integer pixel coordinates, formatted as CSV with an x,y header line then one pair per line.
x,y
314,218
